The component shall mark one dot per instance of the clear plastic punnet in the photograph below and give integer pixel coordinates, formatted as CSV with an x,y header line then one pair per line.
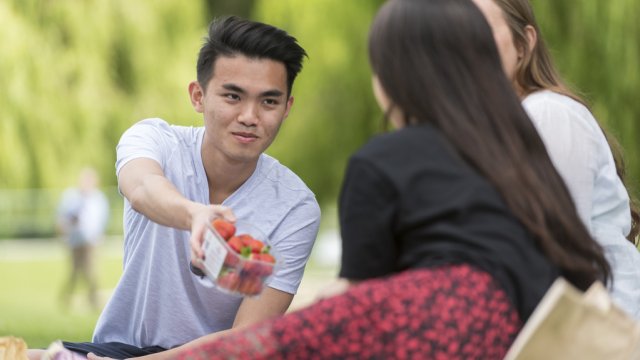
x,y
240,264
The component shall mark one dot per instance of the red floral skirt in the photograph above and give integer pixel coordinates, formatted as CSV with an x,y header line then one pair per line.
x,y
447,312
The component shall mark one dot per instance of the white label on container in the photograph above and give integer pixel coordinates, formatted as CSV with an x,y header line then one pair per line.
x,y
214,254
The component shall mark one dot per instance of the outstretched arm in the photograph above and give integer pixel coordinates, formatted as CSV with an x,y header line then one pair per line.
x,y
143,183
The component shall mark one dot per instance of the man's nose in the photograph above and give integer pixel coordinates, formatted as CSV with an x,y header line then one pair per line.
x,y
249,115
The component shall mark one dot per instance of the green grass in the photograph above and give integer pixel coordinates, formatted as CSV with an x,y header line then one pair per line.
x,y
31,278
32,274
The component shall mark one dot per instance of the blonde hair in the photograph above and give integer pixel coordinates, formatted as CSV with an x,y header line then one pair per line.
x,y
535,71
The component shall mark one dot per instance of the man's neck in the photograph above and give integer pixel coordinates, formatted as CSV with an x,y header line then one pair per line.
x,y
224,176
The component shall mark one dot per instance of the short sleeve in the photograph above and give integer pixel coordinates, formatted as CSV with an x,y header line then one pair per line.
x,y
293,239
367,211
146,139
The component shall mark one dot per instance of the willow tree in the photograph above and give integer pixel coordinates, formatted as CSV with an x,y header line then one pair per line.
x,y
76,74
596,45
334,110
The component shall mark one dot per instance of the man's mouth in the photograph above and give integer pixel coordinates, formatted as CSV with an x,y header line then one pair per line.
x,y
245,137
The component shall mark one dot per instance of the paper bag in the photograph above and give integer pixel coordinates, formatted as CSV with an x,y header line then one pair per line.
x,y
569,324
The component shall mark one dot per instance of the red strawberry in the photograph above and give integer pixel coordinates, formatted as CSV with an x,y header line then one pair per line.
x,y
266,257
250,286
236,244
250,268
255,245
262,266
246,239
230,281
231,260
224,228
249,245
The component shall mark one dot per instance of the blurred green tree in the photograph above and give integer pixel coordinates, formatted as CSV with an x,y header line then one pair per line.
x,y
80,73
596,45
242,8
334,110
76,74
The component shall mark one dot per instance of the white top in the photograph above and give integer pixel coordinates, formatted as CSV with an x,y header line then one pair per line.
x,y
158,301
84,216
581,154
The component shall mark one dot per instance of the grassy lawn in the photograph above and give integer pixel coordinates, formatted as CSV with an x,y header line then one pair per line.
x,y
32,274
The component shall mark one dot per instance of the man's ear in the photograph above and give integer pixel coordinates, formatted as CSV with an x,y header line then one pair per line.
x,y
289,105
196,94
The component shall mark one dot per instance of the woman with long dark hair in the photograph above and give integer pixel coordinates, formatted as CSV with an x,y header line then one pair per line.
x,y
454,225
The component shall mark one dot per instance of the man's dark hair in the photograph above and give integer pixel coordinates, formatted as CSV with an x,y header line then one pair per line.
x,y
230,36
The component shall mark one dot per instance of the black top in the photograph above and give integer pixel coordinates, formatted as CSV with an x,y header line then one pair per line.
x,y
410,201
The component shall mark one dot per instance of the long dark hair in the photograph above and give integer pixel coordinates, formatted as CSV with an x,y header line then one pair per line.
x,y
536,71
438,63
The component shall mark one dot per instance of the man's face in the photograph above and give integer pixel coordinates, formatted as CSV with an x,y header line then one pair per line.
x,y
244,105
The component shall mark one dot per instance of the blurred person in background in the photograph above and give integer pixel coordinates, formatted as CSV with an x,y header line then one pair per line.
x,y
577,145
83,213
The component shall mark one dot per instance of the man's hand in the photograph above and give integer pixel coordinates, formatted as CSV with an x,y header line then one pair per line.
x,y
200,220
92,356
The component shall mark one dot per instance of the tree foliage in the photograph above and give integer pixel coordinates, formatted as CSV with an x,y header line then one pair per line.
x,y
596,45
334,110
76,74
80,73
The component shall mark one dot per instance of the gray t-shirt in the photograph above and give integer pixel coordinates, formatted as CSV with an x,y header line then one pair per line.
x,y
158,301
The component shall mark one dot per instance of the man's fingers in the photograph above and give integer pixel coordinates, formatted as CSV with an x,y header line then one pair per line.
x,y
224,212
200,224
92,356
197,237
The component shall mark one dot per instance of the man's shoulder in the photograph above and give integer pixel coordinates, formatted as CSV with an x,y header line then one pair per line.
x,y
279,189
172,146
160,127
274,196
275,173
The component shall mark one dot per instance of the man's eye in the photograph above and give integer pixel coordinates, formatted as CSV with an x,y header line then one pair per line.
x,y
271,102
232,96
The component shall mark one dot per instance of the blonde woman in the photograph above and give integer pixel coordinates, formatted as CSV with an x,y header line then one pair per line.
x,y
576,144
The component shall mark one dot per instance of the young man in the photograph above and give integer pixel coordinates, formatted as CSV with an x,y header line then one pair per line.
x,y
177,179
